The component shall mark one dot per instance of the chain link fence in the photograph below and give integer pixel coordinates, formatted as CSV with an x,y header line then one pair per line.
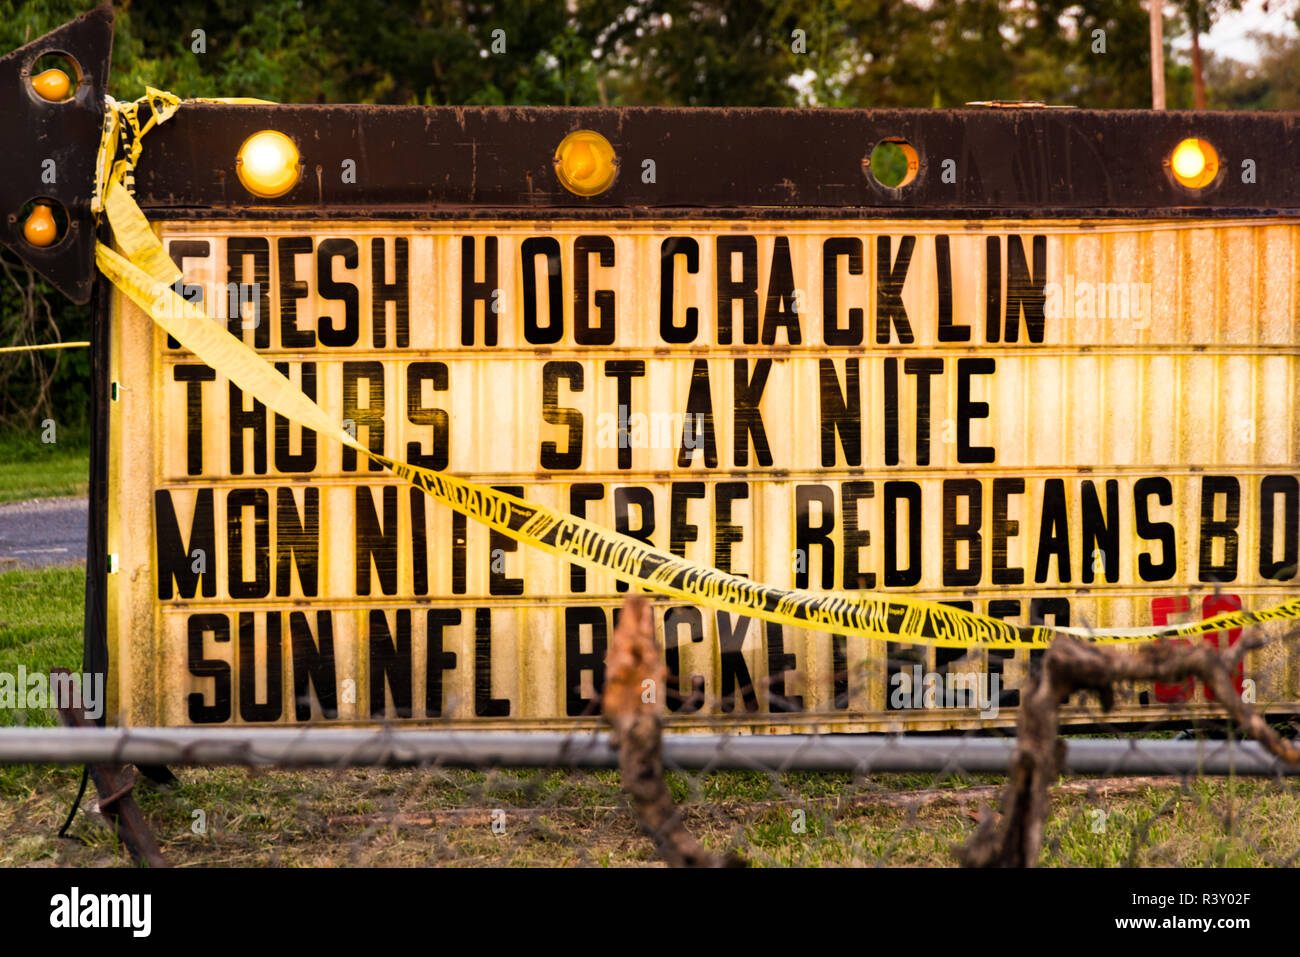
x,y
1146,795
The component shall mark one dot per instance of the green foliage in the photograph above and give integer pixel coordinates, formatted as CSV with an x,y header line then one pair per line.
x,y
860,53
22,22
888,164
35,386
685,53
1273,85
431,52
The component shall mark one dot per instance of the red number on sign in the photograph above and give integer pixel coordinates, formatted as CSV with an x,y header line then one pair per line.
x,y
1161,609
1217,605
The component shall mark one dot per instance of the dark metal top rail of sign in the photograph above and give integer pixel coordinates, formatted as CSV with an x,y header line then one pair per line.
x,y
751,163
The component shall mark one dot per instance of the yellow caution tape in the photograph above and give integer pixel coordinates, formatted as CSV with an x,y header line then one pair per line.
x,y
148,276
124,130
47,345
235,100
135,237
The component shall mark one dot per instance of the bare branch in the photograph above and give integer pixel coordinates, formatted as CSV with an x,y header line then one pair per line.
x,y
1073,665
635,677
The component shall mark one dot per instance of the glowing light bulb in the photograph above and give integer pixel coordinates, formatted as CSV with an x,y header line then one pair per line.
x,y
1189,161
267,164
52,85
585,163
40,228
1194,163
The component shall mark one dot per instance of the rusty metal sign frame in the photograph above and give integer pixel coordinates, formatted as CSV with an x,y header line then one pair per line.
x,y
496,163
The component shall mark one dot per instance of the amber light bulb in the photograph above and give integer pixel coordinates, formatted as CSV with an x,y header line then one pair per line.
x,y
40,228
1194,163
585,163
52,85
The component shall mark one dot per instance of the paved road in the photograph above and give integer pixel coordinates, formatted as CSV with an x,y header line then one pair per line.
x,y
48,531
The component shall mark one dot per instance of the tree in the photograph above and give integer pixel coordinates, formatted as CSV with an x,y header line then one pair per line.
x,y
1272,84
1200,16
693,53
432,52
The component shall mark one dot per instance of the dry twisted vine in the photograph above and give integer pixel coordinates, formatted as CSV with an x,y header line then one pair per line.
x,y
634,675
1070,665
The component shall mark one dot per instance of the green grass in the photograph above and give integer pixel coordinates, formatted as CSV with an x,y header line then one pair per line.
x,y
40,629
40,625
376,816
30,468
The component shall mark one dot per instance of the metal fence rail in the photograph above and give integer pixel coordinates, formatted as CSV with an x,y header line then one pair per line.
x,y
703,752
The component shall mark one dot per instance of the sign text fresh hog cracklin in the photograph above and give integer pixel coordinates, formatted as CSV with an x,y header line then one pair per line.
x,y
733,288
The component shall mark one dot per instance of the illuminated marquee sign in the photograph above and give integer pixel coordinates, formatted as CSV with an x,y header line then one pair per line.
x,y
1036,405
